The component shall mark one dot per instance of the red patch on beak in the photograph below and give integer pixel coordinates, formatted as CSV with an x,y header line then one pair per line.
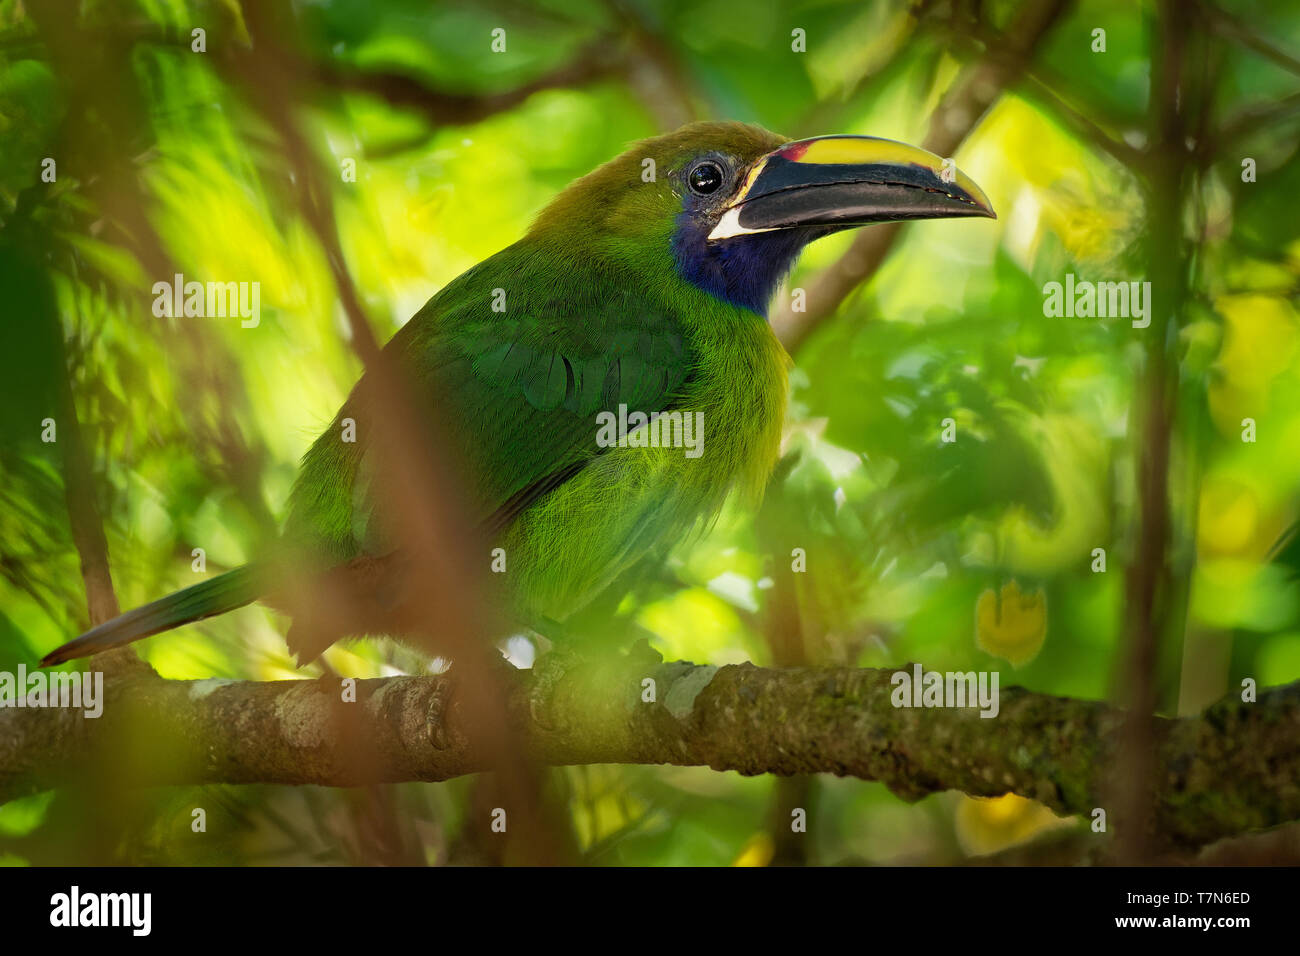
x,y
793,152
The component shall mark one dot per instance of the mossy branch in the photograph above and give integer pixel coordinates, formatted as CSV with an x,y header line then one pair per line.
x,y
1233,769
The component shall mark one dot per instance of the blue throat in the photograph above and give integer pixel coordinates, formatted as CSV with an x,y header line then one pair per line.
x,y
744,271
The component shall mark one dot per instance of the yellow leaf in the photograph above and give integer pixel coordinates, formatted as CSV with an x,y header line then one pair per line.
x,y
757,851
1012,625
987,825
1228,525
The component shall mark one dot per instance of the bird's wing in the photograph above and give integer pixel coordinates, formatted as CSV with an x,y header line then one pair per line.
x,y
543,377
519,391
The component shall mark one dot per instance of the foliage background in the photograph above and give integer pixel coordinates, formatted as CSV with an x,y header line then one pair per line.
x,y
193,427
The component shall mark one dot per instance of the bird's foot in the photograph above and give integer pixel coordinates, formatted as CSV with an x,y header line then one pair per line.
x,y
642,653
562,664
575,661
435,715
438,710
549,672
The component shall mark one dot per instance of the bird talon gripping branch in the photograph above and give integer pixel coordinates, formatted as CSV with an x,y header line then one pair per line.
x,y
435,715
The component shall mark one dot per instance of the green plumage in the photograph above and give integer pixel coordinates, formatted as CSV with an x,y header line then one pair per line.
x,y
591,321
641,289
595,316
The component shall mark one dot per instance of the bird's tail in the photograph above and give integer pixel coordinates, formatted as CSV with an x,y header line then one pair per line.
x,y
216,595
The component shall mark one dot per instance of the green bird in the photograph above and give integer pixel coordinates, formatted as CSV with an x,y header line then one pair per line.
x,y
642,288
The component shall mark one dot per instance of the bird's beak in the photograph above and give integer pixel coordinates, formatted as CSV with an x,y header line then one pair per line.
x,y
835,182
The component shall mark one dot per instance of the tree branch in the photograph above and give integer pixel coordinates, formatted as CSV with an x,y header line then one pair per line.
x,y
1233,769
1259,117
597,61
1041,88
1150,627
1236,28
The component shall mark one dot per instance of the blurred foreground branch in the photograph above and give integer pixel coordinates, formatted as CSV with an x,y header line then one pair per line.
x,y
1233,769
416,485
597,61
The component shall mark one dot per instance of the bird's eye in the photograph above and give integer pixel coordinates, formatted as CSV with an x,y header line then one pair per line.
x,y
705,178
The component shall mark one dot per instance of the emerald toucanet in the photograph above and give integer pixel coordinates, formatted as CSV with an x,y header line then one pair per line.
x,y
642,288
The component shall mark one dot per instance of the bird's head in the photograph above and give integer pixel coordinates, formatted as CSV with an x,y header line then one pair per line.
x,y
729,206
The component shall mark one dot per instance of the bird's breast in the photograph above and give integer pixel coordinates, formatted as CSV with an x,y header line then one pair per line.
x,y
669,477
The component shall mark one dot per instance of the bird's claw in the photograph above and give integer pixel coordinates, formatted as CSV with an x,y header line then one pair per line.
x,y
499,673
549,672
435,715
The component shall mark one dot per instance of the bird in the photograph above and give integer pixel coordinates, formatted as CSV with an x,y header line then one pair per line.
x,y
639,295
